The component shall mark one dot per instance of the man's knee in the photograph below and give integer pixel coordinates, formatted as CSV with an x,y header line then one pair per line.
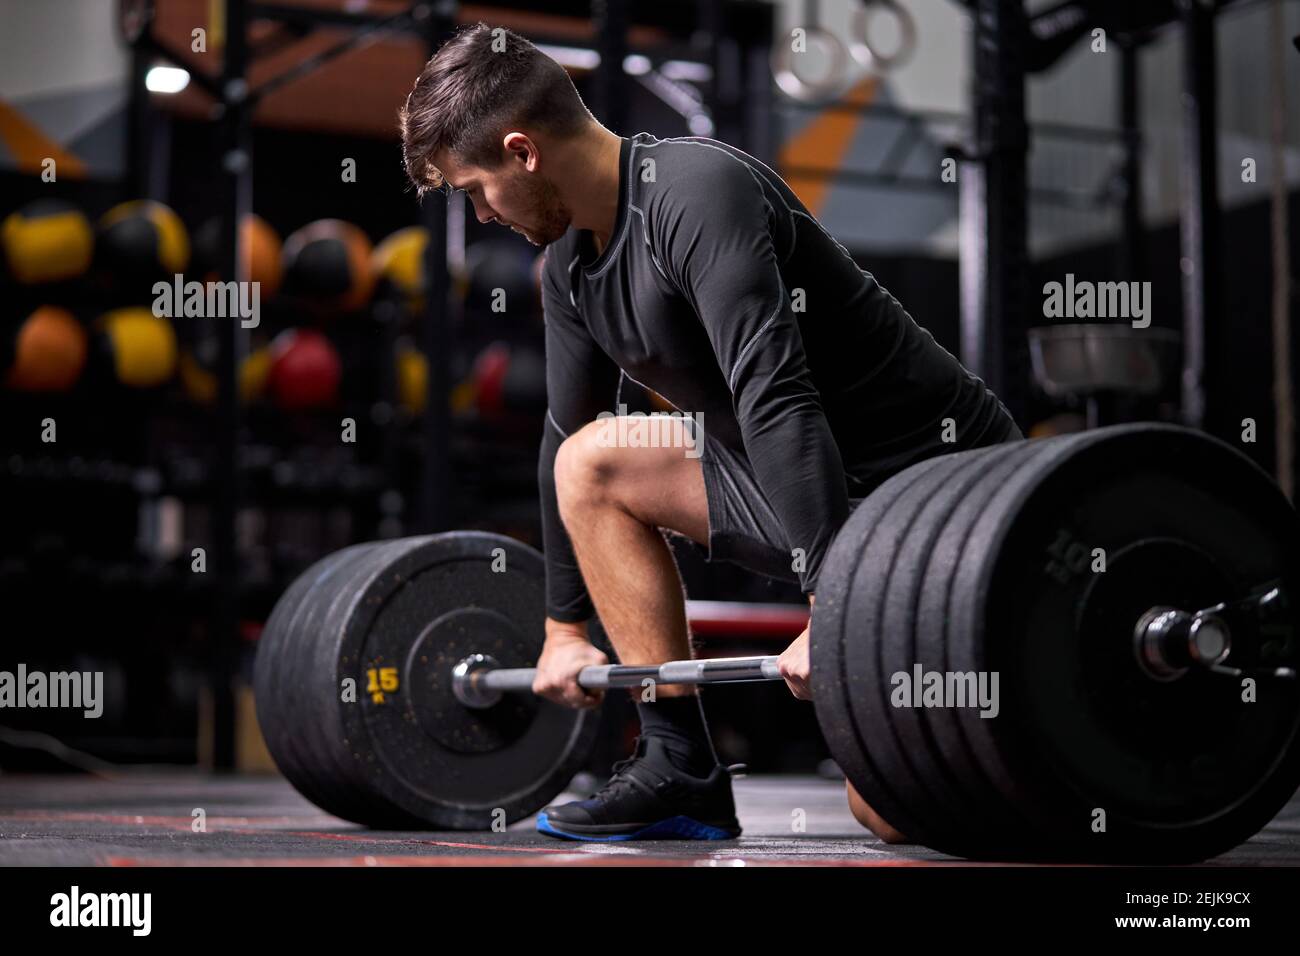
x,y
585,469
869,818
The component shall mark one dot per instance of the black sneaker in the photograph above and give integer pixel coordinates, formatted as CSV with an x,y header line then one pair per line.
x,y
647,798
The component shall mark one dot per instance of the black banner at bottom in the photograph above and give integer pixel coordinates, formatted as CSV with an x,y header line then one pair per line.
x,y
737,900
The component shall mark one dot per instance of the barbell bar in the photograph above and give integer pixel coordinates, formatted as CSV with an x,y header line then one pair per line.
x,y
478,681
1167,642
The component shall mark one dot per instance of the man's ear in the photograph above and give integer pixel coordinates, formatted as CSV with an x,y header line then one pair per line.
x,y
521,148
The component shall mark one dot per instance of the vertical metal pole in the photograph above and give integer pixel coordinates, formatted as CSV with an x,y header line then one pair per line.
x,y
612,86
234,183
994,226
139,143
1132,237
710,27
726,61
1283,393
760,116
1202,302
433,508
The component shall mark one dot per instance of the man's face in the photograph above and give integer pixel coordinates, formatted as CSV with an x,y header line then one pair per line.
x,y
512,195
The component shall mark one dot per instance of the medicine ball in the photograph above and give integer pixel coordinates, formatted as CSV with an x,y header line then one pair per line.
x,y
49,352
524,389
412,379
500,278
489,377
509,378
142,240
305,370
47,241
141,347
399,261
199,378
262,252
327,263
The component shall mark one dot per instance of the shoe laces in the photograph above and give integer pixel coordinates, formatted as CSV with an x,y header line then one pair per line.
x,y
621,765
621,778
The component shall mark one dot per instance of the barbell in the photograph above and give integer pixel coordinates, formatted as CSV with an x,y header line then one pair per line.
x,y
478,681
1072,648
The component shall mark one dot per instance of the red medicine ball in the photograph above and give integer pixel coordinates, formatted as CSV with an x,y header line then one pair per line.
x,y
305,370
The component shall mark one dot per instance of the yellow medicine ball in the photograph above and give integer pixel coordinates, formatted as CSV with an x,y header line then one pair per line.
x,y
412,379
47,241
143,238
200,382
400,260
142,346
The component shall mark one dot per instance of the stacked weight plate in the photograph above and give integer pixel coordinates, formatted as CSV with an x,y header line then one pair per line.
x,y
283,678
353,685
1033,561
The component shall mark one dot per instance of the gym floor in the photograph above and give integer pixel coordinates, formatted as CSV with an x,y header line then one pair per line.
x,y
147,819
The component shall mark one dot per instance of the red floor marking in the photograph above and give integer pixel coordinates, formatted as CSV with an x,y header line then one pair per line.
x,y
240,825
229,825
554,858
135,819
362,838
497,854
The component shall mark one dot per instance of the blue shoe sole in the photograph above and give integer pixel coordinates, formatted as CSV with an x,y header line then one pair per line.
x,y
673,828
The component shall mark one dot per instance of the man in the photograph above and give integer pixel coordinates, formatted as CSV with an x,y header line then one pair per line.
x,y
690,268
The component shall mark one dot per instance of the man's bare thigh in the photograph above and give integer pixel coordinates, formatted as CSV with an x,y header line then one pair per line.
x,y
657,473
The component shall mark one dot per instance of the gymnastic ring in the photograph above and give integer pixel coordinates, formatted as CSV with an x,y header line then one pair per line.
x,y
865,53
795,86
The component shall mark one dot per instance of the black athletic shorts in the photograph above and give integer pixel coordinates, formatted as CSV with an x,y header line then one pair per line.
x,y
743,528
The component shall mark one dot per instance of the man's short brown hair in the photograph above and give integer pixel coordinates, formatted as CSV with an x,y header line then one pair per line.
x,y
482,81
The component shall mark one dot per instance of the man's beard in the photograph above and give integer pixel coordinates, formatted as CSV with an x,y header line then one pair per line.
x,y
547,217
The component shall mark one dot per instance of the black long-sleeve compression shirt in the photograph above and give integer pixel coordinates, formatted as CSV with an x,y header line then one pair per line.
x,y
720,291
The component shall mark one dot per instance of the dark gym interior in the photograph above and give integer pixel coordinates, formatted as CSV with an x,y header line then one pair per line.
x,y
165,479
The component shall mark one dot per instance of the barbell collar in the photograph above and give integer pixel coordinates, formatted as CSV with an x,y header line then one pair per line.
x,y
471,692
1169,642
